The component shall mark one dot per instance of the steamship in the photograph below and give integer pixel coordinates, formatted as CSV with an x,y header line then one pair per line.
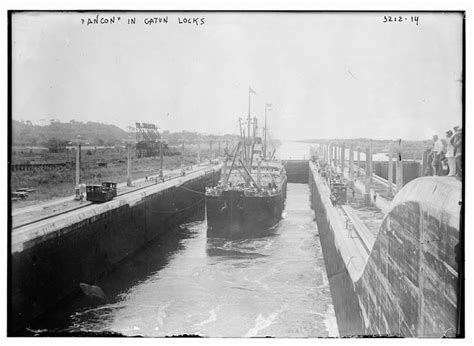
x,y
250,196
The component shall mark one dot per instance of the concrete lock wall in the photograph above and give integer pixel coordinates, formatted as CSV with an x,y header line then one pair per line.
x,y
409,282
343,291
49,270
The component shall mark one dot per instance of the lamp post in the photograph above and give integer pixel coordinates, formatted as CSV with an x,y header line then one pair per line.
x,y
161,158
199,152
182,154
129,143
210,150
78,141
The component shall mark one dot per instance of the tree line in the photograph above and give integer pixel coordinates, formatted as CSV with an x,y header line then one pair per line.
x,y
58,135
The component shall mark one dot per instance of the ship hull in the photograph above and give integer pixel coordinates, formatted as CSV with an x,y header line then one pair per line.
x,y
235,216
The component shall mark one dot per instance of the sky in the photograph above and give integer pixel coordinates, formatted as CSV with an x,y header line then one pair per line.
x,y
327,75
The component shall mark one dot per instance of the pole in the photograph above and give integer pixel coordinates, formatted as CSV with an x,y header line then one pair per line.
x,y
358,160
399,168
226,177
244,147
368,174
78,171
249,176
248,129
199,152
390,172
129,165
248,118
161,159
265,135
351,162
253,143
343,156
259,172
182,154
370,165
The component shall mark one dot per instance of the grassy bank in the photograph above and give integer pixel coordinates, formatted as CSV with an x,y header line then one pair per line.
x,y
96,166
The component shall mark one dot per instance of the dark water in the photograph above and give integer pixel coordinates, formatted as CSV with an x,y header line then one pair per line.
x,y
272,286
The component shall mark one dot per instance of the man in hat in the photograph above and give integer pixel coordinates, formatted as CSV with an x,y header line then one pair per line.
x,y
450,154
456,141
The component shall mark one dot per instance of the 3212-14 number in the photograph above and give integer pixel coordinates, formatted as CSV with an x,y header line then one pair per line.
x,y
413,19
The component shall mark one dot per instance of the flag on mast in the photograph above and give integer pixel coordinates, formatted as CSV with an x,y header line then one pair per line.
x,y
251,91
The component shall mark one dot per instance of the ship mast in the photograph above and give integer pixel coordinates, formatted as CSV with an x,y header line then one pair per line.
x,y
227,176
265,135
267,105
242,139
248,118
248,131
253,142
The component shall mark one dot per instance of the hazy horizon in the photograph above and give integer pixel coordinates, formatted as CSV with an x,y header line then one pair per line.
x,y
333,75
236,134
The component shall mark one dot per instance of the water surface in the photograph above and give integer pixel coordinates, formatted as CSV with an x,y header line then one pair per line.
x,y
271,286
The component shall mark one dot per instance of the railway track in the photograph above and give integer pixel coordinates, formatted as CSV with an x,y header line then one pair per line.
x,y
122,193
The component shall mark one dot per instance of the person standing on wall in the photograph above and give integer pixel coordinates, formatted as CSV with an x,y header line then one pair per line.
x,y
450,154
457,143
438,149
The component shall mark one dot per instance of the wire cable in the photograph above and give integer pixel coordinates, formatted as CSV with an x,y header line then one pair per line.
x,y
175,210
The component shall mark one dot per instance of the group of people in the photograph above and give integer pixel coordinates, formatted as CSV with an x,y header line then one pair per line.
x,y
446,152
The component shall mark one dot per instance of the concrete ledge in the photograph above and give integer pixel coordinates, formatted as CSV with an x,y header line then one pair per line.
x,y
344,263
364,234
353,251
29,235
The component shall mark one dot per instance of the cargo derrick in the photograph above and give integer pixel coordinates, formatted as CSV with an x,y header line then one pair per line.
x,y
148,140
